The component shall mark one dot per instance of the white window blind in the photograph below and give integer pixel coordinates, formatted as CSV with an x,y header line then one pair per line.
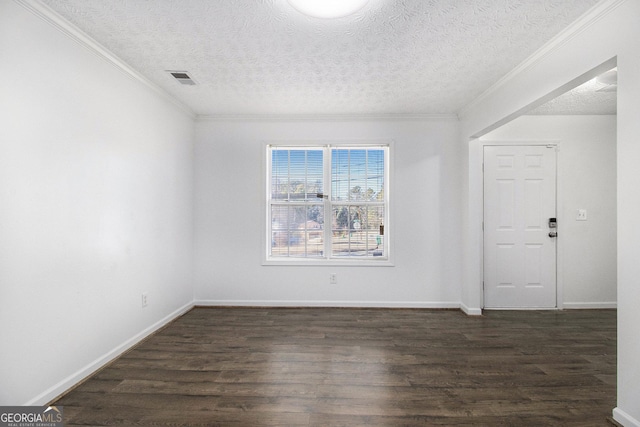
x,y
327,202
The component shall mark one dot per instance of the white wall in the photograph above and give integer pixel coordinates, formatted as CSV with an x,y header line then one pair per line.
x,y
610,32
586,180
96,208
95,184
230,217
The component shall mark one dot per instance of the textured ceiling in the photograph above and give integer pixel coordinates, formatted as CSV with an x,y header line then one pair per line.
x,y
264,57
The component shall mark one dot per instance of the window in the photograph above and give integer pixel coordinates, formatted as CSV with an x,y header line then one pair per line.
x,y
328,202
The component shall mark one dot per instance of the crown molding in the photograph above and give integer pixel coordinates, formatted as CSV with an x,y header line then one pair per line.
x,y
588,19
324,117
52,18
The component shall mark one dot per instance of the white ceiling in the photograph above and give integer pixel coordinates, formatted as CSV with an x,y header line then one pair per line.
x,y
264,57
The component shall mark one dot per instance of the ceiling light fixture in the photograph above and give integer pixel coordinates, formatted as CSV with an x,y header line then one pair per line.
x,y
605,82
608,81
328,8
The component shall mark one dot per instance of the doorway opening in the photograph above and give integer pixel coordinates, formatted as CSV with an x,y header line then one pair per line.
x,y
582,123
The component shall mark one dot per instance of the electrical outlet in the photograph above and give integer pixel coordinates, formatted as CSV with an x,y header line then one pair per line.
x,y
333,278
581,215
145,299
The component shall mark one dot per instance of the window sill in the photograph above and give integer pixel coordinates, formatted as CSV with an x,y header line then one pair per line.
x,y
299,262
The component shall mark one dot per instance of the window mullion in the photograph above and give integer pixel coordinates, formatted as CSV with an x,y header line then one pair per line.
x,y
289,175
366,173
349,180
328,209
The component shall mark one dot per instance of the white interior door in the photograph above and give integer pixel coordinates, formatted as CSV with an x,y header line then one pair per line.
x,y
519,252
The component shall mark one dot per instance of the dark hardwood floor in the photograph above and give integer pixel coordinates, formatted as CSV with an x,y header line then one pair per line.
x,y
360,367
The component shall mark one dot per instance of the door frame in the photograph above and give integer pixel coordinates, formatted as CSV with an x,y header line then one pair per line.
x,y
559,213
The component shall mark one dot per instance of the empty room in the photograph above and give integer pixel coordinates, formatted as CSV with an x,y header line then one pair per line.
x,y
290,212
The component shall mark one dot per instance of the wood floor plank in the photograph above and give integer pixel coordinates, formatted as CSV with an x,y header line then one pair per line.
x,y
355,367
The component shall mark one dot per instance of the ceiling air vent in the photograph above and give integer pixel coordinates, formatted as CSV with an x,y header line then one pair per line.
x,y
182,77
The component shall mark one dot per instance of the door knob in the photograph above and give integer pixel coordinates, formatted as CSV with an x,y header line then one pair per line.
x,y
553,234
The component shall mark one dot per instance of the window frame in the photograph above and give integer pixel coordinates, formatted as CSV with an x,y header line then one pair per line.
x,y
329,260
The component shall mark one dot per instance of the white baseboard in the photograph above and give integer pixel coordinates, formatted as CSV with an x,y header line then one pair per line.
x,y
588,305
469,311
625,419
72,380
345,304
